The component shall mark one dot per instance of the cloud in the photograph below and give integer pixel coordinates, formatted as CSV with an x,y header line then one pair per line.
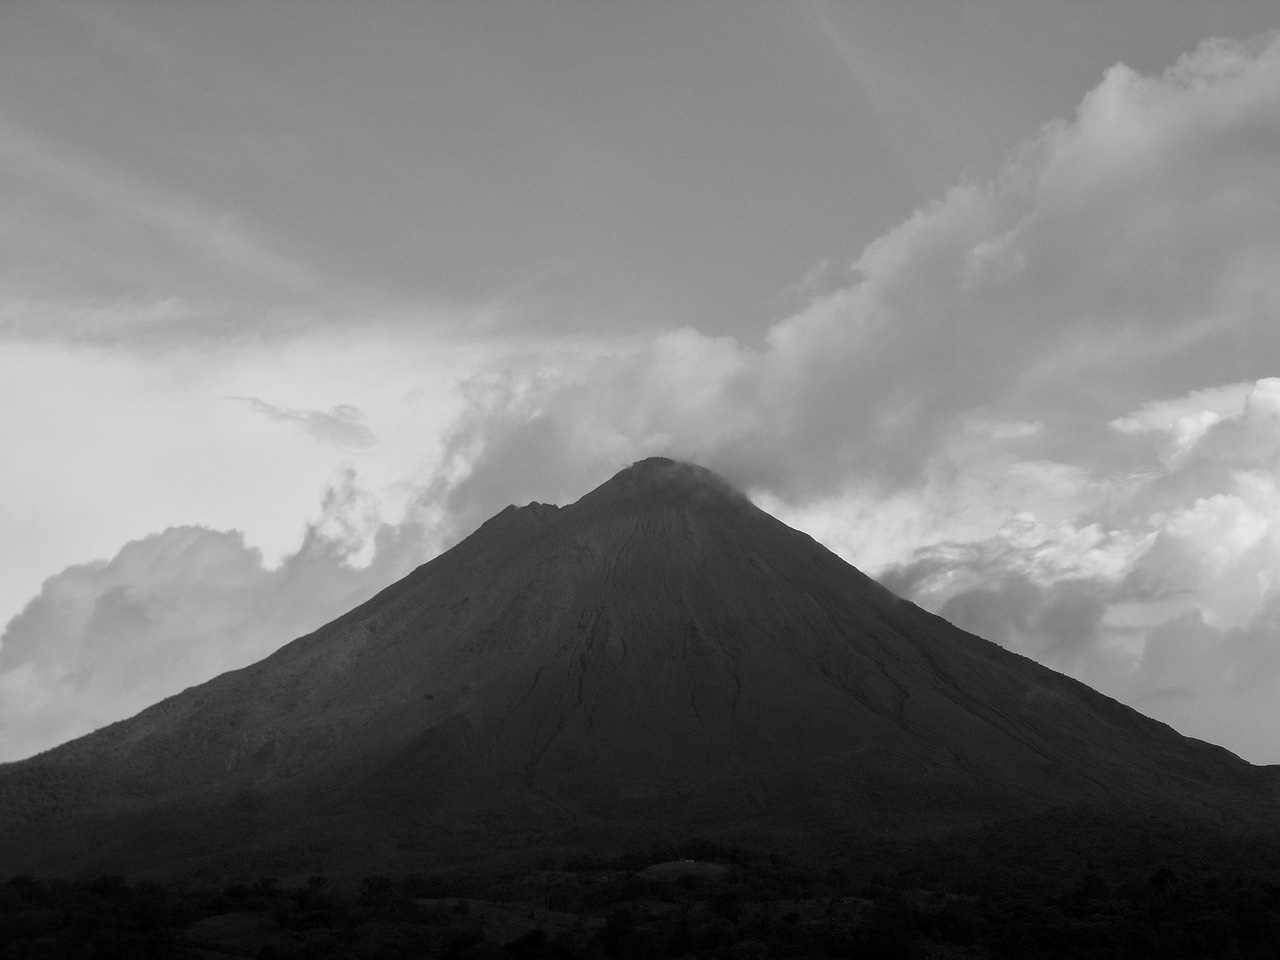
x,y
1121,255
103,640
141,218
1042,407
341,426
1162,589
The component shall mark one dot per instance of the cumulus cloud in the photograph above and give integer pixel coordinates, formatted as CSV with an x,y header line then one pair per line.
x,y
341,426
1163,590
103,640
1122,255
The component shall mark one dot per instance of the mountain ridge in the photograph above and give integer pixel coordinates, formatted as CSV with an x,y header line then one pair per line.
x,y
659,656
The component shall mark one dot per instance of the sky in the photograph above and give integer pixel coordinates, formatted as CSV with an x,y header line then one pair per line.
x,y
983,294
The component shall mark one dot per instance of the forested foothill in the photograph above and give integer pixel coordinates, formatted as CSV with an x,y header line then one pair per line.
x,y
1073,885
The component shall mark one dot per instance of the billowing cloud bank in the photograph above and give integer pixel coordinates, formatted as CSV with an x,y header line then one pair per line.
x,y
1043,406
1126,256
1163,592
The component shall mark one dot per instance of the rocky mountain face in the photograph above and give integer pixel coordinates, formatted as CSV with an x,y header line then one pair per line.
x,y
659,659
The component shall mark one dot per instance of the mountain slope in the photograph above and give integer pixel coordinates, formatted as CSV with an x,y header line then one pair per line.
x,y
659,656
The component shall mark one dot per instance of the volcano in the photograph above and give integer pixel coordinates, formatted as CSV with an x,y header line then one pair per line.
x,y
659,659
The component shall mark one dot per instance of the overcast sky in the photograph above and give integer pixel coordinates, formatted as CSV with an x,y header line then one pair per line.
x,y
984,294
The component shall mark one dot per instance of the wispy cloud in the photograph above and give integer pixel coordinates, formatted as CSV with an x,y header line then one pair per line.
x,y
138,219
341,426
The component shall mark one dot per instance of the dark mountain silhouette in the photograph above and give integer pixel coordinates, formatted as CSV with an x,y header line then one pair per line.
x,y
659,659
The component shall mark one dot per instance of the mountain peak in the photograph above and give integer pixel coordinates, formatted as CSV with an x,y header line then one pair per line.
x,y
653,465
665,471
659,658
660,480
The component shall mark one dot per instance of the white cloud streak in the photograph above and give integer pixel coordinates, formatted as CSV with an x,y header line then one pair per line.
x,y
213,235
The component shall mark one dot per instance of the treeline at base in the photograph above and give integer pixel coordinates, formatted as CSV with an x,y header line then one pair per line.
x,y
1073,892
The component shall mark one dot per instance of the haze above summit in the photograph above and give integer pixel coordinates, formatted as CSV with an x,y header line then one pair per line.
x,y
387,269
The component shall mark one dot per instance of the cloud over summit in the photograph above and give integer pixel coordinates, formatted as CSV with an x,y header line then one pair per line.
x,y
1120,256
